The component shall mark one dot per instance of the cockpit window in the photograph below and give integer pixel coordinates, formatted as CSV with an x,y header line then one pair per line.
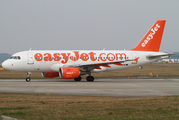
x,y
15,57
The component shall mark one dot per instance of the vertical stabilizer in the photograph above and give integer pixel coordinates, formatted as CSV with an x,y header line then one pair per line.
x,y
152,40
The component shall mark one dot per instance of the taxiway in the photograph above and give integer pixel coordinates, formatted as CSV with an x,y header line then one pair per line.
x,y
100,87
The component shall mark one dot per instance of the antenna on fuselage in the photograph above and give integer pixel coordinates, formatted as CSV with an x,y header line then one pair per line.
x,y
30,49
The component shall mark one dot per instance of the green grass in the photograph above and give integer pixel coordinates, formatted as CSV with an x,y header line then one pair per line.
x,y
13,113
16,108
63,107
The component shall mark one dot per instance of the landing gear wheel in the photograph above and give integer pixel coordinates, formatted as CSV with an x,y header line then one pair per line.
x,y
78,78
28,79
90,78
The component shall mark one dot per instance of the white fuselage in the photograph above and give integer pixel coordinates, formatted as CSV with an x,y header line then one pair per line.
x,y
52,60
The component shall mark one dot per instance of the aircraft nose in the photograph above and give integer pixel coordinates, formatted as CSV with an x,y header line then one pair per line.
x,y
5,64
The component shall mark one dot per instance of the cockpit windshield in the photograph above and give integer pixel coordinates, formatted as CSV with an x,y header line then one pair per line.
x,y
15,57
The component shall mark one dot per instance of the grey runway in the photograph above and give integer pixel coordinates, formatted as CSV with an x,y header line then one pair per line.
x,y
100,87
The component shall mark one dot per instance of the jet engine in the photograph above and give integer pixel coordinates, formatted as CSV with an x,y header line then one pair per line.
x,y
50,74
69,72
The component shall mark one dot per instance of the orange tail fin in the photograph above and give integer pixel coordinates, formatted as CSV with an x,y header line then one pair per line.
x,y
152,40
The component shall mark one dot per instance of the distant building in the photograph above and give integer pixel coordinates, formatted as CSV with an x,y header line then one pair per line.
x,y
172,59
175,56
169,61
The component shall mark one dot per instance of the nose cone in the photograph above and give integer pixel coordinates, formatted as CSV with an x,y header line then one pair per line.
x,y
10,65
5,65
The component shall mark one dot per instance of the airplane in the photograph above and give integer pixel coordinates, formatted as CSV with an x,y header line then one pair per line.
x,y
72,64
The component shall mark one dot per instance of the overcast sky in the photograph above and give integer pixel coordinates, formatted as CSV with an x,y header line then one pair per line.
x,y
84,24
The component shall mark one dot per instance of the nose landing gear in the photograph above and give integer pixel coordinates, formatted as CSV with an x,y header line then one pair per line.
x,y
28,77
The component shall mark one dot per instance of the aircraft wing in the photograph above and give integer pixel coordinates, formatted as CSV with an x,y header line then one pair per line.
x,y
96,65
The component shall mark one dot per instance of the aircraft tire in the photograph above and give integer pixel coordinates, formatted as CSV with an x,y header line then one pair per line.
x,y
90,78
78,78
28,79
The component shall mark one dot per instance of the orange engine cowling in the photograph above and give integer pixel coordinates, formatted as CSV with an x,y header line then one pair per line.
x,y
69,72
50,74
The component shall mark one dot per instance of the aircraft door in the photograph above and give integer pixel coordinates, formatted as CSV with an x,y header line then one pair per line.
x,y
30,60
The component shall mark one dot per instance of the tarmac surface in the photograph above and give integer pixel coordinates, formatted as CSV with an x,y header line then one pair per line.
x,y
100,87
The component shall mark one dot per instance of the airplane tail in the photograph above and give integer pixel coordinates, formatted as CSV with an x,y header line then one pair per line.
x,y
152,40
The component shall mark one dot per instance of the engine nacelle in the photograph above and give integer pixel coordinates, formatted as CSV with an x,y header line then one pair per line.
x,y
69,72
50,74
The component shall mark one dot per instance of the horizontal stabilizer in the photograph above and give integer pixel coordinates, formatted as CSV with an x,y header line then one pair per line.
x,y
159,56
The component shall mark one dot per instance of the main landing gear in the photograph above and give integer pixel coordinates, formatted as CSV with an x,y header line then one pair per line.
x,y
28,77
78,78
88,78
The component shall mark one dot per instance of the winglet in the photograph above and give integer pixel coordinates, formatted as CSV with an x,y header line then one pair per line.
x,y
152,40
